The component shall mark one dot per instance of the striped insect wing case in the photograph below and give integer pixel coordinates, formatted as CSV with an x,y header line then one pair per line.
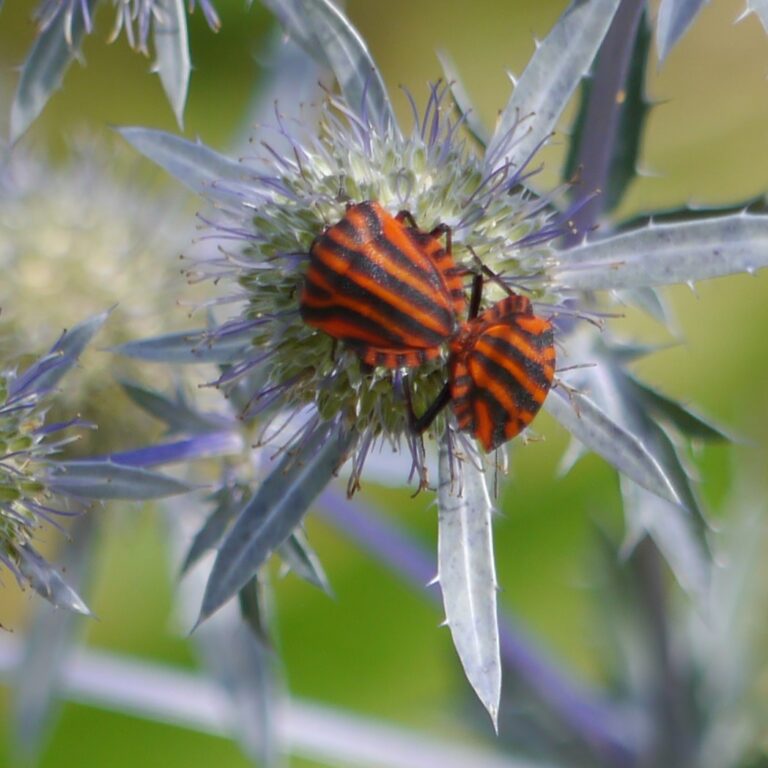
x,y
388,290
501,368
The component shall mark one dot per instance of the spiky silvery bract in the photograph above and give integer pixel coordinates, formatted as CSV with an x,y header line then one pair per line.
x,y
293,195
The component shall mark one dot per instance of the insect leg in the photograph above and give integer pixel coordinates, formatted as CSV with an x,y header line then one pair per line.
x,y
421,423
444,229
477,294
406,216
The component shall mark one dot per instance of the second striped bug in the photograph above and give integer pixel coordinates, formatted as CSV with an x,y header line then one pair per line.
x,y
501,366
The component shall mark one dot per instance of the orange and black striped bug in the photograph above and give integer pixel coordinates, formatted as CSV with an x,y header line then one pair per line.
x,y
501,367
385,288
394,294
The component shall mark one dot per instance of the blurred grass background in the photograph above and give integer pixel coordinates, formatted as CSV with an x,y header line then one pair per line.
x,y
377,648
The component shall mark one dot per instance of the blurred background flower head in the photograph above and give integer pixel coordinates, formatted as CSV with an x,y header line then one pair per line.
x,y
81,235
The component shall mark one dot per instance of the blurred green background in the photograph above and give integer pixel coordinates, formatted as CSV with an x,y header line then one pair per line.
x,y
376,648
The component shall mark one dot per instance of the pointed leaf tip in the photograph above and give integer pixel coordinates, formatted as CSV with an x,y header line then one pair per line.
x,y
462,102
48,582
200,619
597,431
172,50
299,557
467,573
198,167
683,418
673,20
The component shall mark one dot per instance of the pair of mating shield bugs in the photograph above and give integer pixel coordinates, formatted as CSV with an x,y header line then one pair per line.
x,y
394,294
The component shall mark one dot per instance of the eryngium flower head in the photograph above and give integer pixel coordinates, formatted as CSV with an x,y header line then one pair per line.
x,y
301,184
83,234
38,485
79,236
29,446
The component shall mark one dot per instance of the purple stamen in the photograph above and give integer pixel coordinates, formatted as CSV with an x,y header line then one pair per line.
x,y
239,370
414,108
49,429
